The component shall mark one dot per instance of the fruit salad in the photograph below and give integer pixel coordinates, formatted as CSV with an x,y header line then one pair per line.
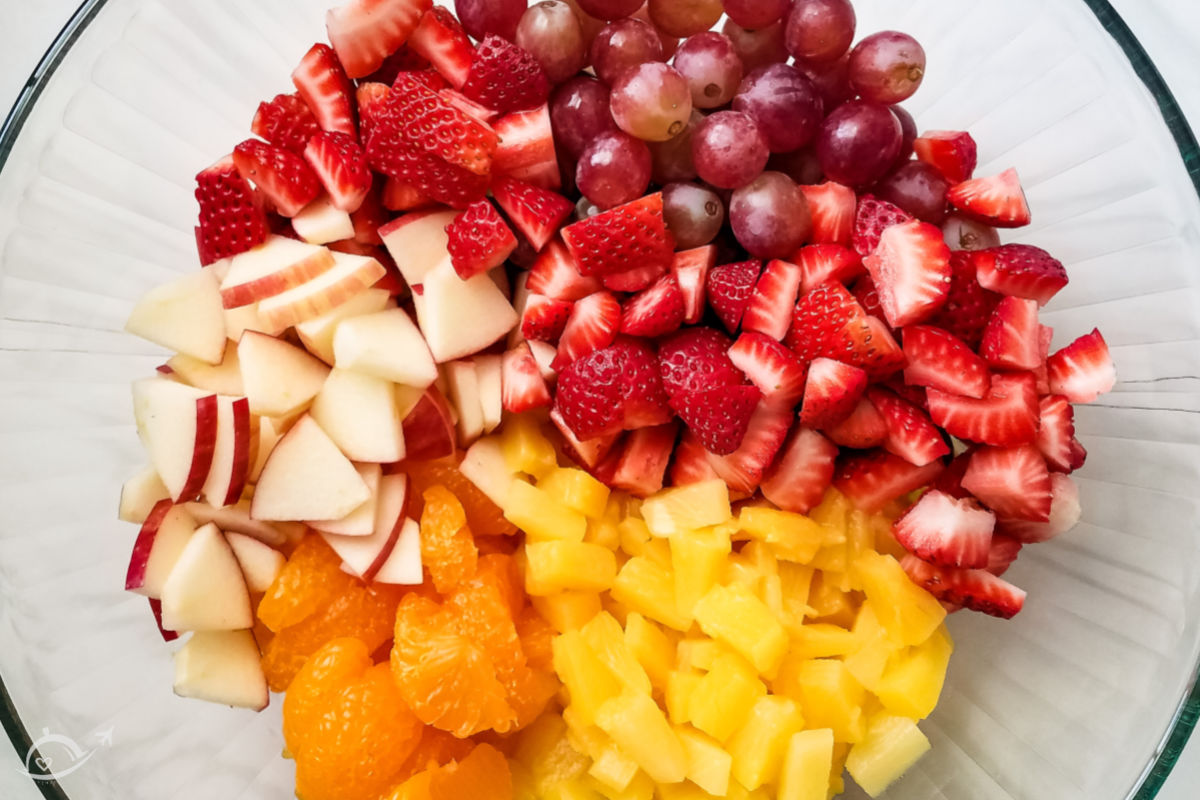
x,y
575,402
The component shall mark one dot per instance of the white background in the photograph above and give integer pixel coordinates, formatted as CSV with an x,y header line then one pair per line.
x,y
1169,30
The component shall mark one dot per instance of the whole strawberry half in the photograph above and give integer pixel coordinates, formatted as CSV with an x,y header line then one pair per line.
x,y
232,219
695,360
479,240
628,237
612,389
505,77
729,289
286,122
720,416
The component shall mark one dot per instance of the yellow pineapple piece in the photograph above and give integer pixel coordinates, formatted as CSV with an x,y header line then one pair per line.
x,y
697,558
832,558
640,788
648,588
658,551
681,791
860,538
545,752
525,447
613,768
736,617
739,792
687,508
576,489
759,746
828,694
603,532
760,557
651,647
885,540
699,654
542,517
681,685
606,638
822,640
588,681
567,611
806,766
908,612
831,512
837,772
892,745
913,680
830,603
793,537
634,535
867,660
618,610
576,789
722,700
640,728
740,571
709,765
795,581
558,566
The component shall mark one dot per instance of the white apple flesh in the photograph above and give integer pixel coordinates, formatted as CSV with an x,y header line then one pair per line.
x,y
317,333
403,566
360,521
272,268
236,519
387,345
485,466
222,667
364,555
460,318
178,426
231,456
489,375
307,477
223,378
260,563
350,276
139,495
157,548
185,315
418,242
463,382
206,590
360,414
321,222
279,378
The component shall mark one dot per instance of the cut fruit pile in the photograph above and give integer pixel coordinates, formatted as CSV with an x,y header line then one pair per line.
x,y
622,435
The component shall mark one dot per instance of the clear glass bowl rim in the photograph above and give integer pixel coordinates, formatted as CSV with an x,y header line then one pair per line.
x,y
1187,713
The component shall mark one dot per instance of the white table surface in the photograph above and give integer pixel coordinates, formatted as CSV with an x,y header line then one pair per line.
x,y
1168,29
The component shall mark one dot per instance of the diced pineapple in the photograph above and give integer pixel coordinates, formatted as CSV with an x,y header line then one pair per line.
x,y
770,591
699,654
735,616
860,538
634,535
613,768
604,533
682,791
709,765
687,508
828,694
830,603
681,685
557,566
806,766
837,772
822,640
652,648
576,489
739,792
869,657
793,537
760,557
697,558
795,581
604,635
658,551
544,750
649,589
567,611
909,613
576,789
759,746
640,788
722,700
589,682
892,745
739,571
832,558
526,449
831,512
640,728
912,682
542,517
618,610
885,540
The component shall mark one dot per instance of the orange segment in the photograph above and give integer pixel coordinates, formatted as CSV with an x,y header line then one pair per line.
x,y
501,571
483,775
311,579
447,547
484,516
537,638
482,615
436,748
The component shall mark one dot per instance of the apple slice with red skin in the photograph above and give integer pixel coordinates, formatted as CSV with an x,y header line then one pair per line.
x,y
236,519
360,521
231,455
429,430
159,543
307,477
364,555
178,426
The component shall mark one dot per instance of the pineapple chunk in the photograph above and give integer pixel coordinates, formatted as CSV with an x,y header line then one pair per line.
x,y
831,512
912,682
697,558
709,766
542,517
640,728
567,611
604,635
795,583
860,538
589,682
604,533
544,750
651,647
806,766
758,747
613,768
909,613
722,700
794,537
699,654
687,508
658,551
681,685
830,603
635,536
735,616
828,694
874,647
892,745
525,448
640,788
577,789
556,566
576,489
833,558
822,640
649,589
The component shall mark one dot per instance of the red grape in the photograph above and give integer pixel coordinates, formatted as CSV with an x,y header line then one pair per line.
x,y
729,150
830,79
755,14
550,31
694,215
624,44
918,188
709,64
587,23
784,103
651,101
858,143
801,165
770,216
887,67
961,233
614,169
481,17
610,9
684,17
669,43
579,112
820,30
908,133
757,48
673,158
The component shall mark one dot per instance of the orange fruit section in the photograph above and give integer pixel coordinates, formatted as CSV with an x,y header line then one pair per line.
x,y
484,516
447,546
308,582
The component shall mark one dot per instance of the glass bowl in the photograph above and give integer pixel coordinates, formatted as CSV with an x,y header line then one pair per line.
x,y
1087,695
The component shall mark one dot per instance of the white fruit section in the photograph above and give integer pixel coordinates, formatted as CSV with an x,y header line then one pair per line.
x,y
260,563
206,590
317,333
223,378
460,318
222,667
386,344
463,382
417,242
321,222
364,555
139,494
278,377
160,542
272,268
185,315
360,521
349,275
178,427
307,477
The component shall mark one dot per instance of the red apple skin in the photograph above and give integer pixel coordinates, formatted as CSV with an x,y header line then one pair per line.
x,y
135,578
429,428
241,450
385,552
156,610
206,443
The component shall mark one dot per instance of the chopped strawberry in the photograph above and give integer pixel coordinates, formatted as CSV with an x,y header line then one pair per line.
x,y
819,321
953,153
286,180
526,149
1065,511
611,389
403,60
911,270
873,479
1005,417
950,481
719,416
479,240
976,589
729,289
537,213
424,172
696,359
832,208
802,473
914,395
940,360
400,195
777,372
872,217
522,384
1002,553
323,84
1012,481
689,464
1083,370
371,215
774,299
968,306
467,106
997,200
744,469
506,77
285,122
691,268
593,325
370,98
910,434
544,318
864,428
1011,338
827,262
871,347
365,32
1021,270
654,311
947,531
441,40
867,295
427,77
416,116
232,219
1041,372
1056,435
341,166
633,280
587,454
556,275
632,236
831,392
641,461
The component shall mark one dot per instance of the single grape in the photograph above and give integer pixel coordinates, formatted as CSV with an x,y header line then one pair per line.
x,y
694,214
858,143
550,31
579,112
481,17
614,169
755,14
757,48
770,216
672,159
669,43
711,66
651,101
785,105
961,233
524,256
729,150
587,23
684,17
820,30
887,67
610,9
801,165
908,133
830,79
624,44
918,188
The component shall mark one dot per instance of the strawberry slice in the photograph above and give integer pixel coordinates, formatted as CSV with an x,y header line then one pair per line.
x,y
633,280
365,32
827,262
593,325
441,40
939,360
1056,434
1005,417
632,236
867,295
506,77
1012,481
466,105
719,417
479,240
691,268
369,98
870,346
996,200
910,434
403,60
587,454
1003,553
872,217
232,219
417,116
521,382
976,589
863,429
426,173
968,306
911,270
639,465
1065,512
802,474
832,208
873,479
545,318
1020,270
341,166
947,531
953,153
526,150
696,359
777,372
744,469
611,389
729,288
819,319
654,311
286,180
831,392
1083,370
285,122
427,77
537,213
950,480
321,81
400,195
1041,372
1011,339
689,464
371,215
556,275
773,302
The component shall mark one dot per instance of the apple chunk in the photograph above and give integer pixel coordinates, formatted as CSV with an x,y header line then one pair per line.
x,y
349,276
223,378
360,521
317,333
307,477
485,466
360,414
231,456
271,268
403,566
178,426
236,519
222,667
279,378
260,563
386,344
159,543
139,495
489,372
185,315
429,428
459,318
418,242
206,590
463,382
364,555
321,222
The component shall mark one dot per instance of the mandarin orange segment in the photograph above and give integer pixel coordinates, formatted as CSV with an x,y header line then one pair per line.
x,y
484,516
482,615
501,571
483,775
309,580
537,639
447,547
529,691
437,747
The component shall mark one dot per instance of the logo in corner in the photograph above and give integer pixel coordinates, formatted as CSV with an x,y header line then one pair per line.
x,y
53,756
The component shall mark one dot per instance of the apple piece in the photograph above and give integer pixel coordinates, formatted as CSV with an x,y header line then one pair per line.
x,y
156,611
386,344
359,413
178,426
185,315
459,318
463,382
403,566
307,477
279,377
349,276
407,398
260,562
489,372
222,378
236,519
520,298
543,354
270,431
159,543
485,466
246,318
321,222
271,268
205,590
139,495
317,333
418,242
360,521
222,667
231,456
220,268
362,556
429,429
